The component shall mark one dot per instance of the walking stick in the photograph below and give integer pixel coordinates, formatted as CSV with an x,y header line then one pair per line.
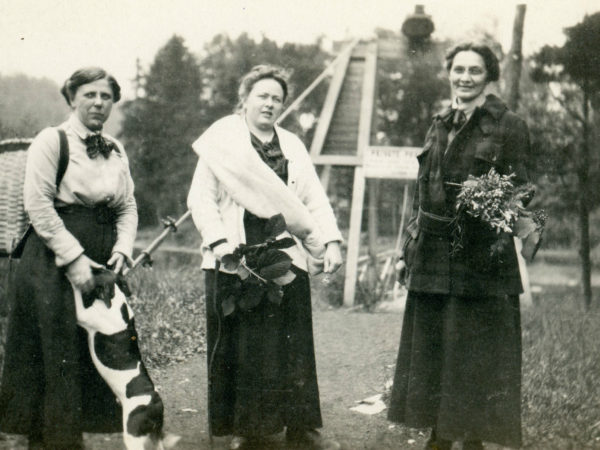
x,y
171,226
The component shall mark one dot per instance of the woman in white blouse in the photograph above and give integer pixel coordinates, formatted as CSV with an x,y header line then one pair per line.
x,y
263,374
50,388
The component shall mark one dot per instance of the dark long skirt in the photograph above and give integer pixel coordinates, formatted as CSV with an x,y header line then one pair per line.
x,y
459,368
50,388
263,374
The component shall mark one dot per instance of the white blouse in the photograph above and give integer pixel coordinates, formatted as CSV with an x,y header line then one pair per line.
x,y
88,182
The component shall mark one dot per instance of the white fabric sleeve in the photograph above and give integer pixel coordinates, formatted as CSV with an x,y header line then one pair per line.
x,y
203,203
39,192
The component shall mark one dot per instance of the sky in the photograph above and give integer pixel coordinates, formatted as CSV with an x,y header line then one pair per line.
x,y
52,38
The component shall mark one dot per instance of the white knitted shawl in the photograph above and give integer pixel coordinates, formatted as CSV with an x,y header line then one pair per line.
x,y
227,150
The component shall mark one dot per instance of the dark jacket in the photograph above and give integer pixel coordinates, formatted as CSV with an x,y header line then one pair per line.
x,y
492,137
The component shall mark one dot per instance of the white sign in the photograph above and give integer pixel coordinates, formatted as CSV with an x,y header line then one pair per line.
x,y
398,163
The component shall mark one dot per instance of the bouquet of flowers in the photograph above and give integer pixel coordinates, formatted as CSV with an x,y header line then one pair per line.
x,y
263,269
495,200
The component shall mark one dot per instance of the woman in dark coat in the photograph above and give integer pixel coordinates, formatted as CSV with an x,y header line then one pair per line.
x,y
82,219
263,376
459,364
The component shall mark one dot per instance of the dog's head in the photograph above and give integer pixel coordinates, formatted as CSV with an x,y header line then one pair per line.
x,y
104,287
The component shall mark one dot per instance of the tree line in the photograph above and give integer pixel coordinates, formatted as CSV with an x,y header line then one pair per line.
x,y
183,92
180,96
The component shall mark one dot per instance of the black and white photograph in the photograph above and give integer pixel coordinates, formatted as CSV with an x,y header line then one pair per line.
x,y
315,225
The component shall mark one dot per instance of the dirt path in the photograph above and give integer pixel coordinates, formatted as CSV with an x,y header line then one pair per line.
x,y
354,351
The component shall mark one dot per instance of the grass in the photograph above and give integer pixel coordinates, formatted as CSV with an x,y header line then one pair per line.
x,y
169,306
561,364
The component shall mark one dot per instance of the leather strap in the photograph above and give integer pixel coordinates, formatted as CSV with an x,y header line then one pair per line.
x,y
63,160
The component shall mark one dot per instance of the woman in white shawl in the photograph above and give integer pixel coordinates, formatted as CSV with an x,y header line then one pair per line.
x,y
263,375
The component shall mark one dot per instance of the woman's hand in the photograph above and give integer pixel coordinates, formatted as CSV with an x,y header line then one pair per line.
x,y
79,272
333,257
117,262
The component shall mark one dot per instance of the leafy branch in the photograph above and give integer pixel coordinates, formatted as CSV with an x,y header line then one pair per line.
x,y
263,270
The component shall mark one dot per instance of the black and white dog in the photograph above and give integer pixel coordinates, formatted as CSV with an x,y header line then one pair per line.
x,y
112,339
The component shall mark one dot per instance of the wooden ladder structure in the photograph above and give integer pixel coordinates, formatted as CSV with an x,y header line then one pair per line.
x,y
343,135
343,138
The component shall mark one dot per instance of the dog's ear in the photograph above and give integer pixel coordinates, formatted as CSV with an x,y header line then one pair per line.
x,y
89,298
108,292
123,285
104,286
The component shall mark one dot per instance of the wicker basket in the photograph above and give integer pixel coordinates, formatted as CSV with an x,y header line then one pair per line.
x,y
13,219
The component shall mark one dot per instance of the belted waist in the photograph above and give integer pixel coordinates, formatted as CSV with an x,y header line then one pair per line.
x,y
101,214
434,224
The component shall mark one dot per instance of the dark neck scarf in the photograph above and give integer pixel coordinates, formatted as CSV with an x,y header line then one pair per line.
x,y
97,145
454,120
271,154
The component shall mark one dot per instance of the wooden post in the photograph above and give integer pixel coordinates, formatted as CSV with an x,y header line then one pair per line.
x,y
395,210
358,191
512,78
373,186
403,214
583,178
515,60
358,195
373,225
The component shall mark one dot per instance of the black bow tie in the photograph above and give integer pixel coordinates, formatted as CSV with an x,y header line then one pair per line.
x,y
96,144
269,149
